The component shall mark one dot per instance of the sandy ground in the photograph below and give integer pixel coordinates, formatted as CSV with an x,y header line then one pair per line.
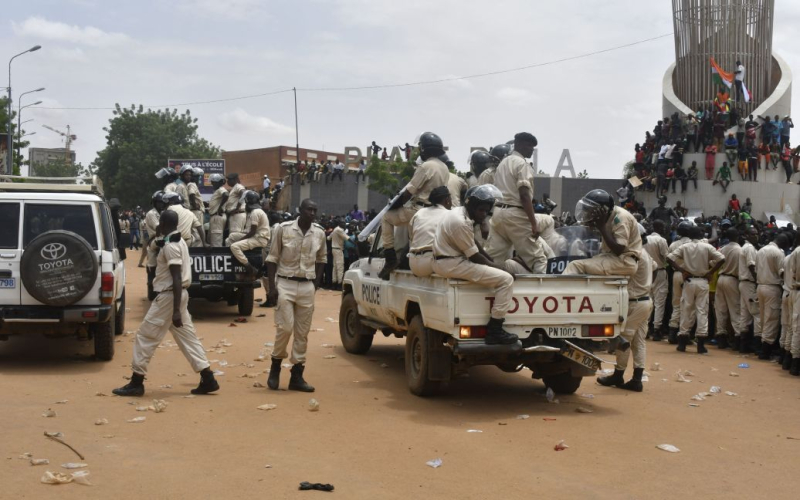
x,y
371,438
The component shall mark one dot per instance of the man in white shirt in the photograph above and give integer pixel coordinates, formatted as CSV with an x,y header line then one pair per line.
x,y
338,169
738,80
265,185
337,239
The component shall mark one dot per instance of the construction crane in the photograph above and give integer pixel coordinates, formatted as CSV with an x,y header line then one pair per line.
x,y
68,138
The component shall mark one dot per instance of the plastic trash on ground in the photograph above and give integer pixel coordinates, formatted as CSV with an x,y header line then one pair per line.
x,y
435,463
53,434
561,446
74,465
313,405
729,393
733,374
715,389
523,417
101,421
680,377
258,385
80,477
39,461
49,413
474,431
137,420
551,396
267,407
668,447
158,406
656,367
744,365
582,409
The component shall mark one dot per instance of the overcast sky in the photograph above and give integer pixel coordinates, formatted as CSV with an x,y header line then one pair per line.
x,y
96,53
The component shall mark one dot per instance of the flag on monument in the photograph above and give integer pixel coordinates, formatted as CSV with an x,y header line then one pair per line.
x,y
722,77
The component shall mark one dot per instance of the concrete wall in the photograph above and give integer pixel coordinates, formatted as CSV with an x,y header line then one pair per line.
x,y
338,197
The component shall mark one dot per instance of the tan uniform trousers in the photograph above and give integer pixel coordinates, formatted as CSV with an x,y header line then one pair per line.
x,y
727,305
233,238
293,318
604,264
694,307
659,292
769,308
200,216
749,306
634,332
196,240
236,223
501,281
794,344
338,264
787,311
395,218
677,290
216,228
240,247
421,264
155,326
511,230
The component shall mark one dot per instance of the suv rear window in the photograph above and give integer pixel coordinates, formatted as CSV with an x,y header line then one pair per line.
x,y
9,225
42,218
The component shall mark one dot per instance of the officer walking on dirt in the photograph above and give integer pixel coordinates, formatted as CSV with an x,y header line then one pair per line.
x,y
337,239
169,312
657,248
257,235
295,264
216,224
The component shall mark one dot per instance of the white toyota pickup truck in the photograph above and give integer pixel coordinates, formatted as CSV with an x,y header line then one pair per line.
x,y
560,321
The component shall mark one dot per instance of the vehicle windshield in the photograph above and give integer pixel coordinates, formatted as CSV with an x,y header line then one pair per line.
x,y
40,218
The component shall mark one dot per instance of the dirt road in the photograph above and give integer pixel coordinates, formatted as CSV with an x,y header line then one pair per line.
x,y
371,438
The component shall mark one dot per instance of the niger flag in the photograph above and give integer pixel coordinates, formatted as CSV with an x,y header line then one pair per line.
x,y
720,76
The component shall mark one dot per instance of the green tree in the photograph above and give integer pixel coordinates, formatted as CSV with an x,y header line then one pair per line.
x,y
388,177
17,144
57,168
138,143
583,175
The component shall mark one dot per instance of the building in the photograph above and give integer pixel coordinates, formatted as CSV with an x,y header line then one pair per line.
x,y
43,156
253,164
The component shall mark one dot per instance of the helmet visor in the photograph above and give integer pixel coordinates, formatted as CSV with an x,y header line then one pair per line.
x,y
587,211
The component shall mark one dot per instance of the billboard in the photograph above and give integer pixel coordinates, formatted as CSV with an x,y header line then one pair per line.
x,y
211,166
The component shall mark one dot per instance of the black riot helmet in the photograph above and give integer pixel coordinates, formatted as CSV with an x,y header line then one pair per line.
x,y
430,145
252,200
479,161
500,151
157,200
684,228
595,206
172,198
216,180
446,160
484,194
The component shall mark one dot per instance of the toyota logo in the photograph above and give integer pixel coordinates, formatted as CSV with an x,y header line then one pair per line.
x,y
53,251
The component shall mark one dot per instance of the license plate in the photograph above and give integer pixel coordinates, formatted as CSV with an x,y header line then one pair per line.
x,y
8,283
562,332
212,277
578,355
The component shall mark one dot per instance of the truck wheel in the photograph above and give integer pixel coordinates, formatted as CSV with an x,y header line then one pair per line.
x,y
563,383
356,338
417,359
119,327
246,299
103,334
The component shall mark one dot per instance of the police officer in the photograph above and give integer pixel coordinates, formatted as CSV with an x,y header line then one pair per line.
x,y
337,239
496,154
216,224
457,187
769,266
787,307
258,234
793,342
639,307
169,312
422,231
727,300
234,205
546,225
621,240
683,230
751,317
457,256
190,228
151,222
479,161
195,199
296,261
657,249
186,174
169,178
697,261
513,225
430,174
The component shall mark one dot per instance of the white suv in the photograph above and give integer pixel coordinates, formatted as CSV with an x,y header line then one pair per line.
x,y
60,267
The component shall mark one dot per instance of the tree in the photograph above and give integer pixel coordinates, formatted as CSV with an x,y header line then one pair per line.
x,y
583,175
17,144
388,177
56,168
139,143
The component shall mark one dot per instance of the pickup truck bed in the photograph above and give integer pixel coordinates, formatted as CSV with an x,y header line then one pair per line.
x,y
217,275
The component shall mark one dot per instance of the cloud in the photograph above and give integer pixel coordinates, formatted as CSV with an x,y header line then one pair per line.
x,y
240,121
515,95
43,29
231,9
74,54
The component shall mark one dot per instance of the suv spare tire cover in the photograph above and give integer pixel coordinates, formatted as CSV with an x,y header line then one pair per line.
x,y
58,268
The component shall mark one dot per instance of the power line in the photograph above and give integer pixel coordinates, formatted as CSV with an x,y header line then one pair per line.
x,y
385,86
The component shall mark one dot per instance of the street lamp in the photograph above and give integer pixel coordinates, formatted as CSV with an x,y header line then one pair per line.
x,y
25,135
19,112
10,161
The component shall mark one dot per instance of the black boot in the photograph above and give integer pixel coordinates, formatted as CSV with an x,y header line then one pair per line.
x,y
635,384
274,379
133,388
208,383
795,368
722,342
682,341
389,264
496,335
296,382
615,380
701,345
781,355
766,351
658,334
787,361
735,343
746,344
673,336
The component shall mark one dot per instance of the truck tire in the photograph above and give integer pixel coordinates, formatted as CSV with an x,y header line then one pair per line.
x,y
246,299
59,268
103,334
563,383
119,327
356,338
417,359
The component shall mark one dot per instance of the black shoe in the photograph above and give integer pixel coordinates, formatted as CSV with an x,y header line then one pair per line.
x,y
672,338
766,351
781,355
635,384
296,382
795,368
722,342
614,380
649,332
658,335
133,388
274,379
267,303
389,265
787,361
496,335
208,383
746,343
736,343
701,345
682,341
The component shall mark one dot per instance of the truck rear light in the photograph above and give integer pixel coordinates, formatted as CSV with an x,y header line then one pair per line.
x,y
472,332
601,330
89,314
107,288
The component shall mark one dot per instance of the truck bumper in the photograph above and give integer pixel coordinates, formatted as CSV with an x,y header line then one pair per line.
x,y
18,315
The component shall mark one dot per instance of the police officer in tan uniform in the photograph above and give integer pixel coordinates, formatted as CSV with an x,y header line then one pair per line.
x,y
169,312
182,184
150,224
422,231
195,198
295,264
190,228
257,235
727,300
337,239
479,162
793,361
169,178
431,174
657,249
513,225
497,154
787,310
683,230
216,224
751,317
234,206
769,267
697,261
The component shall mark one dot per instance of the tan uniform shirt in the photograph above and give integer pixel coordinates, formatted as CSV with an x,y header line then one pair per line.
x,y
623,226
215,202
679,242
487,176
194,192
788,273
186,221
456,185
513,173
769,263
297,254
181,189
151,219
732,251
794,257
696,257
172,254
657,249
337,238
747,258
422,228
428,176
642,280
454,235
259,219
234,198
172,187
